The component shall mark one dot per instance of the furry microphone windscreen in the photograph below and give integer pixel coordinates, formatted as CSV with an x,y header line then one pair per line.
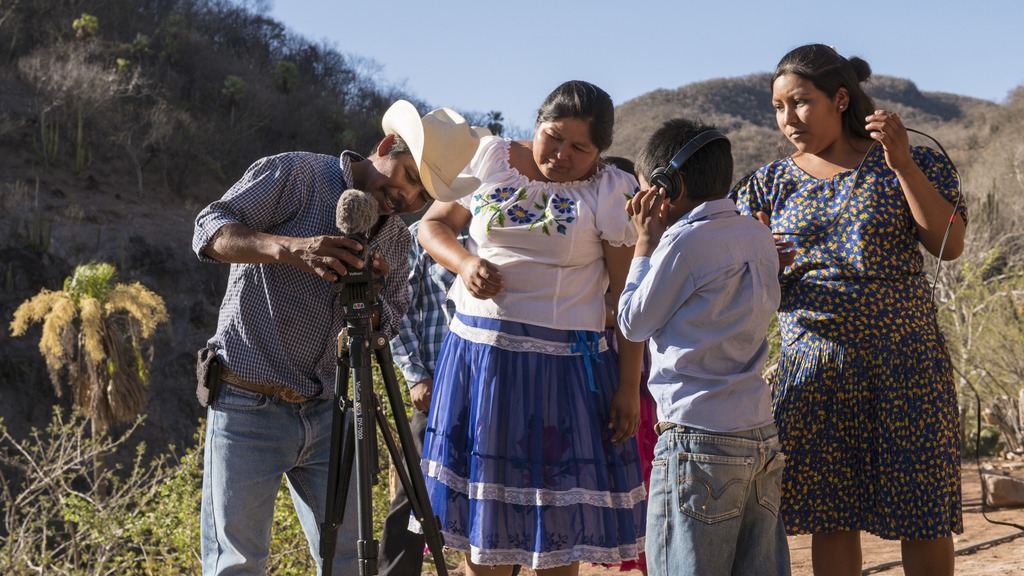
x,y
357,212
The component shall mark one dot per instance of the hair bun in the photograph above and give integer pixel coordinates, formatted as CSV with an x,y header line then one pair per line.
x,y
861,68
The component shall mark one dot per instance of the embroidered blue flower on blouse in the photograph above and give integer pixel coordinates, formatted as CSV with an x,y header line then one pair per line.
x,y
519,215
502,194
563,205
556,211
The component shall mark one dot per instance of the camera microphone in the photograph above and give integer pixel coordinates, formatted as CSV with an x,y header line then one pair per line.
x,y
357,212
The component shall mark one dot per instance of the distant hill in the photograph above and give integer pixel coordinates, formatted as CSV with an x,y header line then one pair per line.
x,y
742,108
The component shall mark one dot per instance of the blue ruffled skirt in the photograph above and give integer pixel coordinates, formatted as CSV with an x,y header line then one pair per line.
x,y
517,458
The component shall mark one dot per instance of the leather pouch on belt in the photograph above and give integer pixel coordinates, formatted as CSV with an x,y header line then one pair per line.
x,y
207,376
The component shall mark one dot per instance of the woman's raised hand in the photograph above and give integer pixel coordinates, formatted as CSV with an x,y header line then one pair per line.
x,y
886,127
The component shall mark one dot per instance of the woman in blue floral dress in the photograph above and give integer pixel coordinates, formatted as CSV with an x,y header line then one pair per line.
x,y
530,454
864,395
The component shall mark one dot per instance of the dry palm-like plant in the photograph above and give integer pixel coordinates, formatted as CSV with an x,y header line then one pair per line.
x,y
94,330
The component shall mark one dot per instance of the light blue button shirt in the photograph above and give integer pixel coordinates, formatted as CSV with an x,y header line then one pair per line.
x,y
705,299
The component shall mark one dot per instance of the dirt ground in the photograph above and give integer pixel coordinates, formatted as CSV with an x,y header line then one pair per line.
x,y
977,553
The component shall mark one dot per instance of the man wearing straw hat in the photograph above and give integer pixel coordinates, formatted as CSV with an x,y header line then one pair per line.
x,y
278,323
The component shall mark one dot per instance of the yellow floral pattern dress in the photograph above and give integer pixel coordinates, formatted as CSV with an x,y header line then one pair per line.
x,y
864,396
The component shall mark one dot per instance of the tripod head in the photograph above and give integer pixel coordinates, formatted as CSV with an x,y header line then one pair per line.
x,y
356,288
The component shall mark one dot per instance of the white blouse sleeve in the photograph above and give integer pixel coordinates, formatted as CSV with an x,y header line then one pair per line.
x,y
489,165
615,189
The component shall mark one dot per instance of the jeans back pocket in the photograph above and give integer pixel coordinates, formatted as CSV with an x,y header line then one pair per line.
x,y
713,488
769,483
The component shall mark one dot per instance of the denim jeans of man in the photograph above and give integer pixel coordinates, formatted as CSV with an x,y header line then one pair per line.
x,y
714,504
252,441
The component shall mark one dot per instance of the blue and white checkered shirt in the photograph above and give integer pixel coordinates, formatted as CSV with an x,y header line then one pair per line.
x,y
278,324
423,329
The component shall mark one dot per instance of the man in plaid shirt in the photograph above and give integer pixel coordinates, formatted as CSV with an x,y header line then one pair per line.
x,y
279,321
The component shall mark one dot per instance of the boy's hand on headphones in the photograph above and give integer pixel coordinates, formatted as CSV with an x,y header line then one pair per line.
x,y
649,212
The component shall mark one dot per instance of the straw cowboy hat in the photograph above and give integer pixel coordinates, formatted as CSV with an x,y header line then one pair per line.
x,y
442,143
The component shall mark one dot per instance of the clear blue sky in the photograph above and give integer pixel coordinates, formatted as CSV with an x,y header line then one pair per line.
x,y
486,55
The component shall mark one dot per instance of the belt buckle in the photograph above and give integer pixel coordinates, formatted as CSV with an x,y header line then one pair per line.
x,y
662,427
273,391
291,396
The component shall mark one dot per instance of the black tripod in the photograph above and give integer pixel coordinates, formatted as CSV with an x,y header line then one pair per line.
x,y
353,436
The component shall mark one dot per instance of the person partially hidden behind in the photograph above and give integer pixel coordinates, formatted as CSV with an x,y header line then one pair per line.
x,y
279,321
703,287
646,438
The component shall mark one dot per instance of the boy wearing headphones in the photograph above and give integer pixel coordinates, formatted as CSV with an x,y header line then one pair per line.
x,y
703,287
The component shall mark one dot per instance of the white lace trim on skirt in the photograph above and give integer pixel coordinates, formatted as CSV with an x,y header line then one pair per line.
x,y
535,496
516,343
541,560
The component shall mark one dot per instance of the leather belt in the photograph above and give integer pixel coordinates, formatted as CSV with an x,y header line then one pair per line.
x,y
273,390
662,427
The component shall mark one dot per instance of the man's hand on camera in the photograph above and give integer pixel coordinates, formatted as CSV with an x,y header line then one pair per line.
x,y
380,267
328,256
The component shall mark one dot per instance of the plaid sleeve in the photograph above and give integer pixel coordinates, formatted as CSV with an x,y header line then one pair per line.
x,y
260,199
405,348
393,243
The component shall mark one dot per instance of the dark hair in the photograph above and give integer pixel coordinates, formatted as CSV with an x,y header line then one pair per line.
x,y
707,173
585,101
829,71
624,164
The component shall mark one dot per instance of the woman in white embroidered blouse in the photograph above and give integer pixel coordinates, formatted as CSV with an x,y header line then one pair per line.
x,y
530,456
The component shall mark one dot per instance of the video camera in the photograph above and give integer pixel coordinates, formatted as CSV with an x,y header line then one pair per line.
x,y
356,288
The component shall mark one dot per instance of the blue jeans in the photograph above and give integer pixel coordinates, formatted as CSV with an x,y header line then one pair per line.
x,y
714,504
251,442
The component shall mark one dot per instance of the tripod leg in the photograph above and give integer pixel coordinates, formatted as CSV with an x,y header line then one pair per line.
x,y
402,545
366,442
339,470
408,466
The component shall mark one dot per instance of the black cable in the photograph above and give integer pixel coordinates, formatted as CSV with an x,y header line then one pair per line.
x,y
853,185
842,210
956,206
977,454
984,494
974,390
963,377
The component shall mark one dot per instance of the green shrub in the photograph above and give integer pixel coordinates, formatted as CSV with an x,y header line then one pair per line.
x,y
149,521
989,443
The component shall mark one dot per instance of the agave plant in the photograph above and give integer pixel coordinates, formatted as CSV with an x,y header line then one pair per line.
x,y
94,330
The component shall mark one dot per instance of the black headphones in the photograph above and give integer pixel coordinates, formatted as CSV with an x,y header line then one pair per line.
x,y
669,178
